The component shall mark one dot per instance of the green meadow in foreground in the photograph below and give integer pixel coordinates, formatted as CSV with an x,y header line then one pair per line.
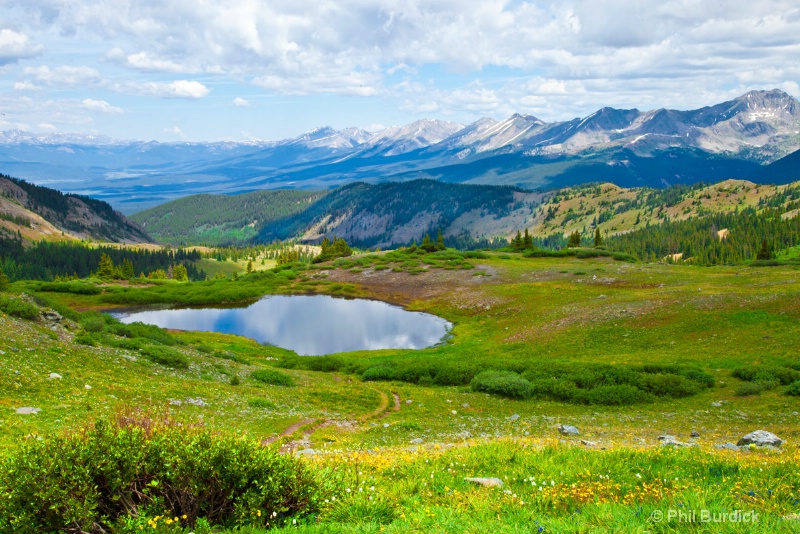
x,y
384,440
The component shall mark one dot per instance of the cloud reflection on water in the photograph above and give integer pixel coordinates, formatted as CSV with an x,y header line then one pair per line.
x,y
309,325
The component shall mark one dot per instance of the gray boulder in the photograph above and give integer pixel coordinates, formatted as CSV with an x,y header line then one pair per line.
x,y
760,438
568,430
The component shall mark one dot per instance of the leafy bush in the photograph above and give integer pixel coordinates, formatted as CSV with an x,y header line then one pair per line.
x,y
273,377
133,464
93,322
454,374
793,389
77,288
378,372
619,395
767,373
669,385
505,383
19,308
555,388
754,388
165,356
259,402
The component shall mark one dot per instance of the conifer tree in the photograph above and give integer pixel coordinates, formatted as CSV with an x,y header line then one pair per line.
x,y
180,274
105,270
527,240
764,253
598,239
4,281
574,240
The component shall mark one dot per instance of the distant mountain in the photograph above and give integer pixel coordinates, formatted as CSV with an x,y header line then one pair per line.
x,y
37,213
657,148
783,171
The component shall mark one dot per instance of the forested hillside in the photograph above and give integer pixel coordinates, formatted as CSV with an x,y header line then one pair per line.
x,y
28,205
222,219
46,261
397,213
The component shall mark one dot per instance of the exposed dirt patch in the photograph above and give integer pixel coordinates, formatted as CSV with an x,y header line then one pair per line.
x,y
404,288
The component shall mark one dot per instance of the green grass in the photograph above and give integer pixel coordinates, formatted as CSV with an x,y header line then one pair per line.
x,y
577,318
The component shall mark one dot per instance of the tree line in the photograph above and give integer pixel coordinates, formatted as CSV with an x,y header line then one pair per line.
x,y
46,260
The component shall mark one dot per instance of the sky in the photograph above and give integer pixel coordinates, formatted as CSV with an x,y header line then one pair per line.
x,y
213,70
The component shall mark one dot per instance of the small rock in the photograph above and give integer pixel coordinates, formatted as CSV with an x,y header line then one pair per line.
x,y
87,387
465,405
602,296
385,425
55,376
588,443
760,438
719,403
306,452
514,417
486,482
448,400
28,410
174,402
51,316
728,446
416,440
409,401
694,434
453,412
568,430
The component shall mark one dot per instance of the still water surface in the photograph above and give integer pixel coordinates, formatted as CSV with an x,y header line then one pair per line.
x,y
309,325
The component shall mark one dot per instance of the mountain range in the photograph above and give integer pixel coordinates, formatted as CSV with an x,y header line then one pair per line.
x,y
627,147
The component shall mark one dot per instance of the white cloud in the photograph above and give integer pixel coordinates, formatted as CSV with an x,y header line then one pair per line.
x,y
26,86
550,58
240,102
63,76
177,89
15,46
100,105
174,131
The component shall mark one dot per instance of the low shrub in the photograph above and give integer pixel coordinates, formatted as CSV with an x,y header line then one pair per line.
x,y
454,374
77,288
767,373
619,395
261,403
19,308
505,383
754,388
136,465
273,377
793,389
378,372
165,356
669,385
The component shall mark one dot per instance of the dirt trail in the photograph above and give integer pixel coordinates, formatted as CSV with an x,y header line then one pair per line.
x,y
395,408
381,408
288,431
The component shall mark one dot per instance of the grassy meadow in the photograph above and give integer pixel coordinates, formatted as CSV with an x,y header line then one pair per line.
x,y
389,436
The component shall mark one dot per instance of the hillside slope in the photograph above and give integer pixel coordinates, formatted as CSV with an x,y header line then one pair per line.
x,y
38,213
221,219
397,213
